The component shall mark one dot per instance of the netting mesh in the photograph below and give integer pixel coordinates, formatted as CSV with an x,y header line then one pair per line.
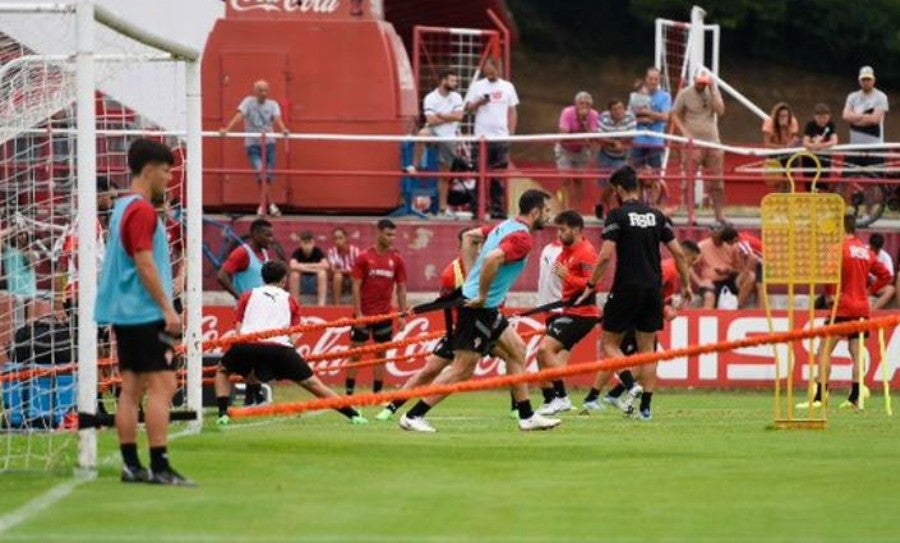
x,y
137,93
673,60
461,50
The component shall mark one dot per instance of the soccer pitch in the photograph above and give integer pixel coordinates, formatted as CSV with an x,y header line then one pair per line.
x,y
705,469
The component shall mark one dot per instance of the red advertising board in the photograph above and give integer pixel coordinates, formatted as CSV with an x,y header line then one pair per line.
x,y
744,368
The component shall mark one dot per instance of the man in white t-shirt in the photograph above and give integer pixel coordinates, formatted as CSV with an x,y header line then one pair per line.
x,y
443,109
268,308
549,283
864,111
494,101
260,114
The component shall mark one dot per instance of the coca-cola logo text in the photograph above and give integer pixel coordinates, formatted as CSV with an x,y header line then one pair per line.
x,y
287,6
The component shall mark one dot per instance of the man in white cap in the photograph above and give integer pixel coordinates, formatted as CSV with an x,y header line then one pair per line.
x,y
864,111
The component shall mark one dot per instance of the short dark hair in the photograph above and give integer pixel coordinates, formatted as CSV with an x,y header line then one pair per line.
x,y
306,235
142,152
614,101
339,229
258,225
569,218
688,245
727,233
446,72
386,224
105,184
626,178
850,223
876,241
532,199
273,272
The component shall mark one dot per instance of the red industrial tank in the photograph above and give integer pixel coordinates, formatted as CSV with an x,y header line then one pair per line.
x,y
335,66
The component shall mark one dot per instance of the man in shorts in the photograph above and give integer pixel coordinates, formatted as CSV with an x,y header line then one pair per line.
x,y
375,274
265,308
633,233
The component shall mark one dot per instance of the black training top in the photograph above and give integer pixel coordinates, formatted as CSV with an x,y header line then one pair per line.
x,y
637,230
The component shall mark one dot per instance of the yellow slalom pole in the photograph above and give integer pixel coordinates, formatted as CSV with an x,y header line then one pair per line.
x,y
778,408
861,371
885,375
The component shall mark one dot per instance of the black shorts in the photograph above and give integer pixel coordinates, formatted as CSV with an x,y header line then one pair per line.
x,y
267,361
629,345
444,349
380,332
477,330
143,349
838,320
638,309
569,330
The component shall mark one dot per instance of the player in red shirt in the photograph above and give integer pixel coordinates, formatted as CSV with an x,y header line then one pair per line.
x,y
452,279
750,277
269,307
375,274
240,271
858,262
574,267
646,374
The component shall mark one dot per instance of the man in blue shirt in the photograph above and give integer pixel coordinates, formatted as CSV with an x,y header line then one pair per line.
x,y
652,108
135,297
480,324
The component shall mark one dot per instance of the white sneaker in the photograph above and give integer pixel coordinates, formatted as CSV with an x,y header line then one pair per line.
x,y
538,422
557,405
410,169
417,424
274,211
594,406
626,402
260,211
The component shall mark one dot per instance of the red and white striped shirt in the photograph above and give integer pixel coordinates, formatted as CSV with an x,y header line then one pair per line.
x,y
343,261
267,308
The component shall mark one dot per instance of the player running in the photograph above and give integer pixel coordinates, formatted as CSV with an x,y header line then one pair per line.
x,y
633,232
646,374
574,267
265,308
480,323
857,263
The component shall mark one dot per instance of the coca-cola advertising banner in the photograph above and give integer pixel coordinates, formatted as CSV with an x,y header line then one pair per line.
x,y
306,9
744,368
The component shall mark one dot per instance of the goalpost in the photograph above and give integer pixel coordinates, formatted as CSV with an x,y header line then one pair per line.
x,y
78,84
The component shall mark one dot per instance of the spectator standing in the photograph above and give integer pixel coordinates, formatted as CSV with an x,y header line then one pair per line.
x,y
309,270
819,134
865,110
341,258
719,264
652,108
576,155
886,293
695,114
493,101
613,152
781,130
443,110
375,275
260,114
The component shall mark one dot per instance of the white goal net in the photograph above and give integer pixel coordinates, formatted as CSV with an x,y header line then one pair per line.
x,y
77,86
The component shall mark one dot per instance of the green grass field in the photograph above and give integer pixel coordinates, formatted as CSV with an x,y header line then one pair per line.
x,y
706,469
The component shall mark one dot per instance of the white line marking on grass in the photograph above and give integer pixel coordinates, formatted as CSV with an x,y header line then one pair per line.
x,y
232,538
41,503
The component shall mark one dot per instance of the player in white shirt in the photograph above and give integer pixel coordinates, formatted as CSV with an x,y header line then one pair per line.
x,y
887,293
494,101
443,109
269,307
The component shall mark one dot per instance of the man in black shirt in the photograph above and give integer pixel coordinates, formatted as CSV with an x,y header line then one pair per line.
x,y
309,269
820,134
634,232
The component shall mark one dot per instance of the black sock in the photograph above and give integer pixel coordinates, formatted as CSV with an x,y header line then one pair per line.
x,y
525,410
101,408
222,403
512,401
377,386
395,405
854,393
549,394
627,379
250,394
348,412
592,395
616,391
559,387
646,398
129,455
818,397
159,459
350,386
419,410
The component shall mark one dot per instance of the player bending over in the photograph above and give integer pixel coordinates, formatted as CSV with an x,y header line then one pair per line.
x,y
574,266
480,323
857,263
645,374
633,232
269,307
